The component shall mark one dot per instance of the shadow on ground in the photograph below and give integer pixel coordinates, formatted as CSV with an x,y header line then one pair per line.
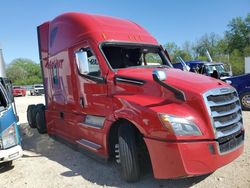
x,y
36,145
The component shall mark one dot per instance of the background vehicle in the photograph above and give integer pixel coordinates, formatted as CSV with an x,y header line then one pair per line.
x,y
18,91
111,91
37,89
10,142
222,71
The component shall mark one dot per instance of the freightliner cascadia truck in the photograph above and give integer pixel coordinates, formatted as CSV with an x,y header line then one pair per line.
x,y
111,91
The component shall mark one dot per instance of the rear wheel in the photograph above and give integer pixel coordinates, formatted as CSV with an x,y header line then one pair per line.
x,y
245,101
128,153
40,119
31,115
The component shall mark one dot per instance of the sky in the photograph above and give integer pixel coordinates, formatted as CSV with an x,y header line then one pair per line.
x,y
167,20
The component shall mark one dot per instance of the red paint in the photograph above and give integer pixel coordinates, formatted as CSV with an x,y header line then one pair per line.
x,y
72,97
18,91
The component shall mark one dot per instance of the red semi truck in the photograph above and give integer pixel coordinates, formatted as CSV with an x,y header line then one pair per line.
x,y
111,92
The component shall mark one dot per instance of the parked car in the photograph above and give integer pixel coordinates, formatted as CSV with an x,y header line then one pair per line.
x,y
37,89
18,91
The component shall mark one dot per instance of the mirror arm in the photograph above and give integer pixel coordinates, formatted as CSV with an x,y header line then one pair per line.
x,y
178,93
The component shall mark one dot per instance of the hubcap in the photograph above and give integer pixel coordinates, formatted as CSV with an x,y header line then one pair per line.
x,y
246,101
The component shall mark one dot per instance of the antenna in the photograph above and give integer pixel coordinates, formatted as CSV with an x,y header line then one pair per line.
x,y
209,56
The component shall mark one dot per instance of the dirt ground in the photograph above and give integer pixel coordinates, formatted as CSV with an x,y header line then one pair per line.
x,y
48,163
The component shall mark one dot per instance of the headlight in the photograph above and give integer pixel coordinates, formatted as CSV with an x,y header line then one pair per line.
x,y
179,126
9,138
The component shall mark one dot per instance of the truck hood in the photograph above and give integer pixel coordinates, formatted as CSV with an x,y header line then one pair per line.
x,y
179,79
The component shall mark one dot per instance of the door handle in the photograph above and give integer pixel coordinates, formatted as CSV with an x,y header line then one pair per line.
x,y
82,102
62,115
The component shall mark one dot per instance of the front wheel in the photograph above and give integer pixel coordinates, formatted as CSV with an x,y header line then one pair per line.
x,y
245,101
6,164
128,153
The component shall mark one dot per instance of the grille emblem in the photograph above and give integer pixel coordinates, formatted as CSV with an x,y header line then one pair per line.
x,y
224,90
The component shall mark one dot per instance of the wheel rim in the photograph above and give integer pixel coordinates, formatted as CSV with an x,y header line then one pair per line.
x,y
246,101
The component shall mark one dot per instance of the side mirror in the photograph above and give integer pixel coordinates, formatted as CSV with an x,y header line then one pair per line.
x,y
228,81
160,74
82,61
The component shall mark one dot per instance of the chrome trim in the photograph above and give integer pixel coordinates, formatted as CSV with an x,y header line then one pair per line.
x,y
88,125
219,120
129,81
94,121
229,132
218,114
211,103
226,152
89,144
219,125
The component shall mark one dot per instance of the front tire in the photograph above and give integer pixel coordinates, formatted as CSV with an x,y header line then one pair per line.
x,y
245,101
128,153
6,164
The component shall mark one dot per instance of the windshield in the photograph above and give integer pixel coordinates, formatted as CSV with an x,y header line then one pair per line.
x,y
123,56
218,67
38,86
16,87
3,98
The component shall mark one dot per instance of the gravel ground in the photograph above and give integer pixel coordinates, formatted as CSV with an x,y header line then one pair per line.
x,y
48,163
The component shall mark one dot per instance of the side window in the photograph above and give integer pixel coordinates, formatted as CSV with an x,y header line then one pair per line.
x,y
3,98
87,63
55,75
153,59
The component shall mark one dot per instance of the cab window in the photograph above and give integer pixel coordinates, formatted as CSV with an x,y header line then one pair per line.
x,y
87,63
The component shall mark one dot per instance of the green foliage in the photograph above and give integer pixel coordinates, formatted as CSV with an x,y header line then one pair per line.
x,y
237,62
174,51
207,42
24,72
247,51
238,35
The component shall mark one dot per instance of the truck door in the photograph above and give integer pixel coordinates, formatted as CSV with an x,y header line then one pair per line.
x,y
94,103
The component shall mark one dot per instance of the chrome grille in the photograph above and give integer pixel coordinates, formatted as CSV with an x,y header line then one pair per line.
x,y
225,113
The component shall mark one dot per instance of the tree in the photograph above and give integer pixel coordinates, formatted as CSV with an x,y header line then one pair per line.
x,y
238,35
237,62
174,51
206,42
23,71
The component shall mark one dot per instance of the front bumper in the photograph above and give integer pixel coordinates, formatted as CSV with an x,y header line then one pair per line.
x,y
183,159
11,154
